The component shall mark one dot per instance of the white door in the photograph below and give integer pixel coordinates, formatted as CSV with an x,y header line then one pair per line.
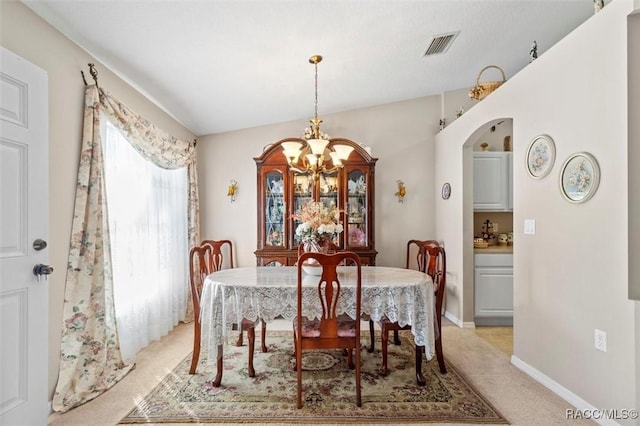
x,y
24,203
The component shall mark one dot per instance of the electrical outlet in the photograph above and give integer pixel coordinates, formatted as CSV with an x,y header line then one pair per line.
x,y
600,338
495,228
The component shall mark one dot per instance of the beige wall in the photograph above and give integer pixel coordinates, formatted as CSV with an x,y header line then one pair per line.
x,y
399,134
28,36
571,277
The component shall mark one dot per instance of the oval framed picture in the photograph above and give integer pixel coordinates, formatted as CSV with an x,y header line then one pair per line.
x,y
541,154
580,177
446,191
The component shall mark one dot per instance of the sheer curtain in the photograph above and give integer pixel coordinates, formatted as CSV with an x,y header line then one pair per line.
x,y
147,216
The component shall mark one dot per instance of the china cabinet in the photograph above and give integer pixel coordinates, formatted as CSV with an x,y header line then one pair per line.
x,y
281,191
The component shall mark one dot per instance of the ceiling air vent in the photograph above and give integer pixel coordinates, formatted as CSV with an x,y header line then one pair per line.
x,y
440,43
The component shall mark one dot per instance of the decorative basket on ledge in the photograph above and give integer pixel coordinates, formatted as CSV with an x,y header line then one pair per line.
x,y
482,89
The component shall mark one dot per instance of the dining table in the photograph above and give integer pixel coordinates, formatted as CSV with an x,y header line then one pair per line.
x,y
268,293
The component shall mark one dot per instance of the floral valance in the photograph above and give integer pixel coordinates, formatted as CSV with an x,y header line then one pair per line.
x,y
152,143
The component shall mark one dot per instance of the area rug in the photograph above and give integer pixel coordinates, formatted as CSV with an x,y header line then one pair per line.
x,y
328,390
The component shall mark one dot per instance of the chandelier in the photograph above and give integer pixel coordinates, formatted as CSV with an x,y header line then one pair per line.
x,y
315,156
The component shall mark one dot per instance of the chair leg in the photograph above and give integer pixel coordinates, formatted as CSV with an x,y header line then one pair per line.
x,y
350,363
299,375
295,345
396,337
358,373
384,342
419,377
251,337
372,336
219,364
263,335
439,354
196,348
239,342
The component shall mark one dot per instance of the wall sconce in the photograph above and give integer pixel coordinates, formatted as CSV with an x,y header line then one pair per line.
x,y
232,190
402,191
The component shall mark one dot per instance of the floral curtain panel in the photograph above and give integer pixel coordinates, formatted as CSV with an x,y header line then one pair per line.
x,y
90,359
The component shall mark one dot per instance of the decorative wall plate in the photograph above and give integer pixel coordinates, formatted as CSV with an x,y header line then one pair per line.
x,y
541,154
446,191
579,177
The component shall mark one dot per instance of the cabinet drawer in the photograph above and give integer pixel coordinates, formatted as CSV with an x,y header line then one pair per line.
x,y
494,259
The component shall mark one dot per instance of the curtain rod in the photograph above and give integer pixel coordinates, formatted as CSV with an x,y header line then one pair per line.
x,y
93,72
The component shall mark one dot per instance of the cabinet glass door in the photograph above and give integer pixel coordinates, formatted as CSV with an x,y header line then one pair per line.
x,y
328,193
302,193
328,189
356,208
274,214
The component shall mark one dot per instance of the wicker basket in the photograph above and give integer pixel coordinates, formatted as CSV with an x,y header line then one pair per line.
x,y
482,89
480,244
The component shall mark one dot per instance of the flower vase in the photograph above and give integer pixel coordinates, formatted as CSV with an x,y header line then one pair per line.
x,y
311,266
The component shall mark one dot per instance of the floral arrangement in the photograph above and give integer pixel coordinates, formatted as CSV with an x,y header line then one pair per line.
x,y
318,223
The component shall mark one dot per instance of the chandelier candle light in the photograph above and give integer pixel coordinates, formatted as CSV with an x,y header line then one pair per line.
x,y
309,157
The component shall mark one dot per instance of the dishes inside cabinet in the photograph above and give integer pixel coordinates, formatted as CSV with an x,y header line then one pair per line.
x,y
357,237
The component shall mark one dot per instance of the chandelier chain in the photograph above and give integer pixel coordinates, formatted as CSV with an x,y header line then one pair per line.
x,y
316,90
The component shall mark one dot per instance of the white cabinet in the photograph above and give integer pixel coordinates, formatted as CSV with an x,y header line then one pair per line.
x,y
493,283
492,186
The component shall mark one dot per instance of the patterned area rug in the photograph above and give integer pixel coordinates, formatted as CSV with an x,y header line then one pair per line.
x,y
328,390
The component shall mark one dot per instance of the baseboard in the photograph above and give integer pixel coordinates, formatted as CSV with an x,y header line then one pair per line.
x,y
448,315
494,321
457,321
469,324
581,405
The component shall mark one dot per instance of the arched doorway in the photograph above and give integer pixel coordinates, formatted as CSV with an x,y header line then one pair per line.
x,y
489,216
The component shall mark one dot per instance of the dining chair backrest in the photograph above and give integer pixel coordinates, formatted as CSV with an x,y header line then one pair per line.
x,y
330,288
221,254
199,268
436,259
420,259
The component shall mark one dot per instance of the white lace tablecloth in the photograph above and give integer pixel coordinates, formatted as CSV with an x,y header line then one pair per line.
x,y
267,293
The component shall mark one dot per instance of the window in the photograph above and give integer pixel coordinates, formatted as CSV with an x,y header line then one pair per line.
x,y
147,214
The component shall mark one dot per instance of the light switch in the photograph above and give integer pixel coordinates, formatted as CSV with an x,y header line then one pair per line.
x,y
530,226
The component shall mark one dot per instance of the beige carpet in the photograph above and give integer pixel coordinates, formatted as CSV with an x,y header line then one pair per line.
x,y
328,390
519,398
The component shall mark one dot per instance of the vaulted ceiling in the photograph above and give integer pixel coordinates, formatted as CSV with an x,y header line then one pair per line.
x,y
224,65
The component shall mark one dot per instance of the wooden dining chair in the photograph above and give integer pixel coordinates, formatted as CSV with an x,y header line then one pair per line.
x,y
433,259
216,262
203,260
414,247
332,330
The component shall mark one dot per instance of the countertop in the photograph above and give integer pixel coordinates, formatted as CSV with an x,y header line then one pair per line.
x,y
494,249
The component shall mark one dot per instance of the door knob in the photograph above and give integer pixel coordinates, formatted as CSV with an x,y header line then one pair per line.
x,y
40,270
